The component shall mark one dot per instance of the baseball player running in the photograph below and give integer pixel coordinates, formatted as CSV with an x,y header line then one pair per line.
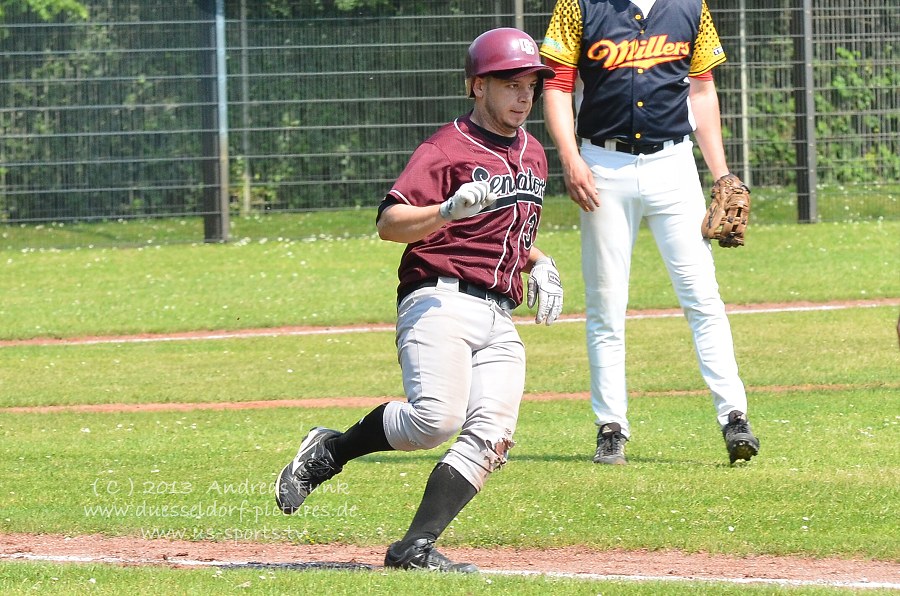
x,y
641,72
468,206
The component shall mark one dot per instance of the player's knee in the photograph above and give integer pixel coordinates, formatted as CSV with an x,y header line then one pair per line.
x,y
421,428
476,462
699,311
433,432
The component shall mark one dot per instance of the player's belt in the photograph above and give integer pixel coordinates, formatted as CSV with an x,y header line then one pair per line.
x,y
636,148
449,283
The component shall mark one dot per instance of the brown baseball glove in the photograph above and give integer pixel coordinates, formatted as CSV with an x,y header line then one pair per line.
x,y
728,213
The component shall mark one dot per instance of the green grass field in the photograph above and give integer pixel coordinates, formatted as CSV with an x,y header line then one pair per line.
x,y
265,283
824,389
771,205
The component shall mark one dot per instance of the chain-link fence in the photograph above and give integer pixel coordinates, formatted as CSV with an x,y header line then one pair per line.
x,y
156,109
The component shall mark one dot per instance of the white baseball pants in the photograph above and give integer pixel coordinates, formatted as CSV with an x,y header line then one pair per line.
x,y
463,367
663,188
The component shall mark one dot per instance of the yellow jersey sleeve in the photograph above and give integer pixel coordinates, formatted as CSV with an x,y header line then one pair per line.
x,y
562,41
708,52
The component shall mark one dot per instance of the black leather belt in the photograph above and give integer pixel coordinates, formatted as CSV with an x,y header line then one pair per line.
x,y
635,148
505,302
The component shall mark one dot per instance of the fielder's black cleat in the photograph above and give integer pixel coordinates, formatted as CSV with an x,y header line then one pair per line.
x,y
421,554
610,445
312,466
739,439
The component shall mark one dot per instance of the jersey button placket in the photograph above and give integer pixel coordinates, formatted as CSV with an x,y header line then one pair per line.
x,y
638,114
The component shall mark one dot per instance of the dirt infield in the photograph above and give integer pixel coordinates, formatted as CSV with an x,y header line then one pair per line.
x,y
576,561
338,329
371,402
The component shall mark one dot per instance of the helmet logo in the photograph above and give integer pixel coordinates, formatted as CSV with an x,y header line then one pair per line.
x,y
526,46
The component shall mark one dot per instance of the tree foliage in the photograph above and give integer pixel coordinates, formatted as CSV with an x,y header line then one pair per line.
x,y
46,10
105,117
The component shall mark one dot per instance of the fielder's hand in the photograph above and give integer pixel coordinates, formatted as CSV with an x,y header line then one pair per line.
x,y
545,287
469,200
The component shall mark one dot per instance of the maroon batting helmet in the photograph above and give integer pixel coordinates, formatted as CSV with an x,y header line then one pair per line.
x,y
506,53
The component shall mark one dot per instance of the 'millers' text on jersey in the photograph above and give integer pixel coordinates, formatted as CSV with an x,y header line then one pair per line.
x,y
488,249
634,67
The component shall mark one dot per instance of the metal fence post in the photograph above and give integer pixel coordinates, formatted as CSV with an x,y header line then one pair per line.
x,y
215,123
746,174
805,110
245,114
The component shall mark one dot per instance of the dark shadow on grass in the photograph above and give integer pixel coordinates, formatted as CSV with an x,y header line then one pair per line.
x,y
587,458
550,457
301,566
413,457
388,458
416,457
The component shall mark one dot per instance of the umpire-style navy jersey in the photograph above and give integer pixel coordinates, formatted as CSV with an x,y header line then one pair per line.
x,y
633,68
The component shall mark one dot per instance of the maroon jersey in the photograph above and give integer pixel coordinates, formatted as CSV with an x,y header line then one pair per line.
x,y
491,248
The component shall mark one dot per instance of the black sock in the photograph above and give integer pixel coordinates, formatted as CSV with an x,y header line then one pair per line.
x,y
446,493
364,437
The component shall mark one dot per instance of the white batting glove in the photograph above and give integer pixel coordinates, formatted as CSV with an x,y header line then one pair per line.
x,y
545,287
469,200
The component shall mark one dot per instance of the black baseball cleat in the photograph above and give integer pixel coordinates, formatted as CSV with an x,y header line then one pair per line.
x,y
313,465
610,445
421,554
739,439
